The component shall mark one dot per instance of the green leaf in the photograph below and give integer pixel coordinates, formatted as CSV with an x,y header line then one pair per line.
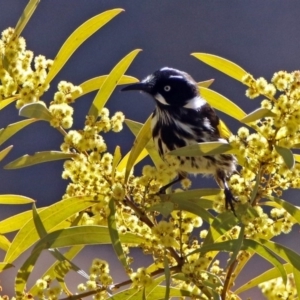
x,y
15,199
81,34
257,115
297,280
222,64
4,243
160,291
222,104
297,157
168,277
221,224
139,144
265,253
95,83
285,253
5,266
70,254
111,82
37,158
7,101
114,234
194,207
116,159
83,235
202,149
165,208
287,156
51,217
135,127
38,222
37,110
122,165
5,151
16,222
25,17
266,276
206,83
134,294
290,208
239,244
10,130
24,273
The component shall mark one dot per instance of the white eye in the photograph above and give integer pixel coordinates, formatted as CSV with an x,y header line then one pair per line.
x,y
167,88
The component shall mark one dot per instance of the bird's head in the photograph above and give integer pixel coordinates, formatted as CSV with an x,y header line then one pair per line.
x,y
170,87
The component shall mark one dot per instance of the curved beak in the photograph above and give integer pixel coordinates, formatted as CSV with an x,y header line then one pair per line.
x,y
140,86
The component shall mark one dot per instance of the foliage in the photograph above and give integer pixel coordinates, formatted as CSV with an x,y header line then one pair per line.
x,y
106,202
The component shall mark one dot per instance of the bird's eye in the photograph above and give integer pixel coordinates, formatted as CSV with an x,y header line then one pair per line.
x,y
167,88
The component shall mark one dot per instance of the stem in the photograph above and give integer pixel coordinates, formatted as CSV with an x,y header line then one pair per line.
x,y
227,280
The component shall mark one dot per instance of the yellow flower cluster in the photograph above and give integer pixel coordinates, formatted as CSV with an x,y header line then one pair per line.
x,y
164,232
279,128
276,289
45,291
141,278
59,108
17,75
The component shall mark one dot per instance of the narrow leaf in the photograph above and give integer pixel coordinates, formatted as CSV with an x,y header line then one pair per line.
x,y
12,129
36,110
135,127
7,101
168,277
25,17
239,244
83,235
95,83
37,158
5,151
139,144
15,199
114,234
206,83
284,252
287,156
38,223
202,149
50,216
116,159
264,251
123,162
24,273
290,208
222,104
4,243
5,266
257,115
70,254
297,157
297,280
266,276
16,222
111,82
165,208
82,33
222,64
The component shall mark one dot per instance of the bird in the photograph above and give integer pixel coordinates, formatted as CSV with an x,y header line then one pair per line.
x,y
183,117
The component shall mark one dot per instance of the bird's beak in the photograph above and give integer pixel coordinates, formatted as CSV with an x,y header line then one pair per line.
x,y
140,86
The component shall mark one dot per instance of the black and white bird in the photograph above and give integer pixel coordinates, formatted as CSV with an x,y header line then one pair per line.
x,y
182,117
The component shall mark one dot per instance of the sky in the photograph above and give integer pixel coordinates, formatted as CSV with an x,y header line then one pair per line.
x,y
260,36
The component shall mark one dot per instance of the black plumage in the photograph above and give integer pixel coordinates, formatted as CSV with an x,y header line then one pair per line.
x,y
182,117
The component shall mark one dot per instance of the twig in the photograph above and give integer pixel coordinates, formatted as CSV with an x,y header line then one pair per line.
x,y
227,280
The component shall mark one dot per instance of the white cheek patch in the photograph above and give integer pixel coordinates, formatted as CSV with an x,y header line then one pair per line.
x,y
161,99
195,103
